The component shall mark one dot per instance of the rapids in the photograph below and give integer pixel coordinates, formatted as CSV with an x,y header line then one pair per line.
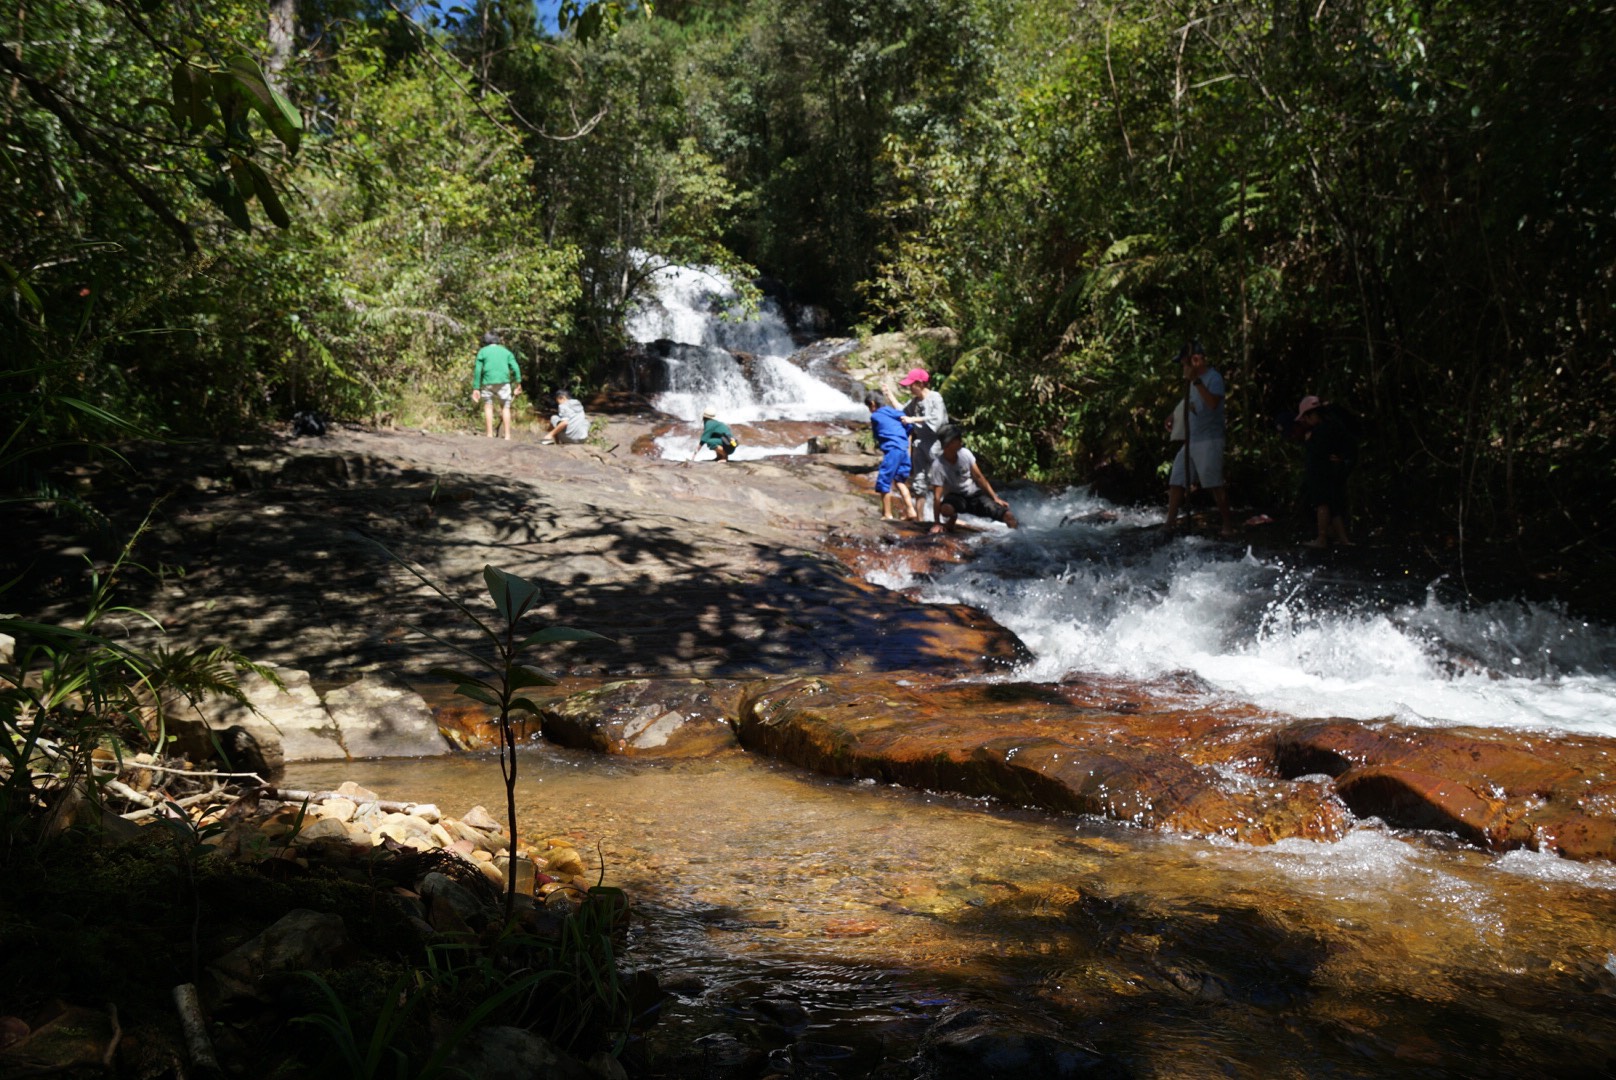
x,y
827,924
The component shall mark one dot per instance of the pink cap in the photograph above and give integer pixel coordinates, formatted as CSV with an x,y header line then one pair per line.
x,y
1308,404
915,375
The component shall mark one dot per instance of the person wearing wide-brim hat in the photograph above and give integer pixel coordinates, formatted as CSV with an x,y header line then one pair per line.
x,y
924,415
716,434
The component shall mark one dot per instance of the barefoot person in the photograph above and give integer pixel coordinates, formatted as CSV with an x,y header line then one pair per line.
x,y
1204,446
495,376
958,486
1332,445
717,435
893,442
925,415
569,424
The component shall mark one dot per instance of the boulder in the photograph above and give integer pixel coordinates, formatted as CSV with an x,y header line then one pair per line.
x,y
513,1053
302,940
379,718
291,720
653,718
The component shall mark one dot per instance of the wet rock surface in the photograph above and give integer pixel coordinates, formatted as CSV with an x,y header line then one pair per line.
x,y
300,553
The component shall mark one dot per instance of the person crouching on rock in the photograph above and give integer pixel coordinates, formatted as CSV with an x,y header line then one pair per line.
x,y
716,434
958,486
892,439
569,424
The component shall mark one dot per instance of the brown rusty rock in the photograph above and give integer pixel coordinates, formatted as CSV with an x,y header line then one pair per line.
x,y
1501,789
653,718
1024,744
1416,800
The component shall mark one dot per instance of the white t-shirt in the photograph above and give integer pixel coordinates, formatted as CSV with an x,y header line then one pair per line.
x,y
955,475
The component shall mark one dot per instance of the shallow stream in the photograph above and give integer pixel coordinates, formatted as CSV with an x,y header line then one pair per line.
x,y
842,919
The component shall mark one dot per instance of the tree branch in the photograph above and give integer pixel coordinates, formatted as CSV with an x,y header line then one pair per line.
x,y
91,145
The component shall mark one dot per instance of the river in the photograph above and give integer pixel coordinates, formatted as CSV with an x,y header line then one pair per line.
x,y
830,923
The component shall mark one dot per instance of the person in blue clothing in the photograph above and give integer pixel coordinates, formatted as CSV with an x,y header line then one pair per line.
x,y
892,440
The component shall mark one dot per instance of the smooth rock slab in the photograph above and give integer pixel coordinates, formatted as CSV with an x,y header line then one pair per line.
x,y
1026,745
379,718
651,718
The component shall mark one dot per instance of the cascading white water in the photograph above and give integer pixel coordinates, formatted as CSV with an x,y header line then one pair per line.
x,y
698,310
1285,633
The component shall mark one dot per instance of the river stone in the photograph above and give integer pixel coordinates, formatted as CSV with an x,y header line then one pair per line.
x,y
1498,789
679,718
322,828
970,1044
292,720
513,1053
479,818
379,718
301,940
439,889
1028,745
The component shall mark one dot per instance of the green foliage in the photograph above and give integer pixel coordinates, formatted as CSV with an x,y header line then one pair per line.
x,y
70,692
501,674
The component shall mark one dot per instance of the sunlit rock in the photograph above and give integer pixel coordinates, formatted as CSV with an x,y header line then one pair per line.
x,y
656,718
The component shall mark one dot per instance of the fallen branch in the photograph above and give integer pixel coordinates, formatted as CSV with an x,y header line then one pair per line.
x,y
288,795
188,801
196,1028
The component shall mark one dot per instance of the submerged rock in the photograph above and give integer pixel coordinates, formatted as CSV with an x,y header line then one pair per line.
x,y
653,718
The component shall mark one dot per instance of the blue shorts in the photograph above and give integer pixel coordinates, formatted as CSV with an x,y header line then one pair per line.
x,y
894,468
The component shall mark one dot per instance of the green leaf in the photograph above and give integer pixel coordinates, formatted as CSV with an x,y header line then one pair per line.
x,y
268,198
551,634
521,676
477,693
527,705
285,121
512,595
242,176
23,289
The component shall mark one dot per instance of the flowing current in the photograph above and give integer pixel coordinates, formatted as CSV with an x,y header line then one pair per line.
x,y
739,367
812,927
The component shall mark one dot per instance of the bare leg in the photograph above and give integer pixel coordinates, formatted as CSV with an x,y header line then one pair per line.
x,y
909,512
1321,516
488,418
504,418
1221,496
1175,499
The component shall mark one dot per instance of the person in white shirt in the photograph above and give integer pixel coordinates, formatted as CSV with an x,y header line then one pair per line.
x,y
958,486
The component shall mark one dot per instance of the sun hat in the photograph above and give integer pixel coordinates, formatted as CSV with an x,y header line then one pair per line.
x,y
915,375
708,415
1308,404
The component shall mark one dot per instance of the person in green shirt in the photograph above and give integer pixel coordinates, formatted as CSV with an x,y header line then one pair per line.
x,y
495,376
716,434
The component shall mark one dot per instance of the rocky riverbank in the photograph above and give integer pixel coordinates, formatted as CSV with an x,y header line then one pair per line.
x,y
734,619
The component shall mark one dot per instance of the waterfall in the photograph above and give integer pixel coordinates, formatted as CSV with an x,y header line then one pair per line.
x,y
716,358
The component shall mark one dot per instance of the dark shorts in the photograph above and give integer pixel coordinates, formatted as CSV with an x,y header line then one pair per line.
x,y
978,505
894,469
1325,484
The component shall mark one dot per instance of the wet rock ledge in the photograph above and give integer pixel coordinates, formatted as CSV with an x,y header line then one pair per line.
x,y
1150,755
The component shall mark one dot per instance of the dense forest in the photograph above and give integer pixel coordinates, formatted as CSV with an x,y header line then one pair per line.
x,y
220,213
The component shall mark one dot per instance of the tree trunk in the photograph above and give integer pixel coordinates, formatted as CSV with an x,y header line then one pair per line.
x,y
282,35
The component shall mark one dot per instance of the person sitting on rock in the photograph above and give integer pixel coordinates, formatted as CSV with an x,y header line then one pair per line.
x,y
716,434
958,486
892,440
569,424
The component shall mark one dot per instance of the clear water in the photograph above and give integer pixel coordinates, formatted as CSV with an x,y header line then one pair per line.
x,y
783,907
